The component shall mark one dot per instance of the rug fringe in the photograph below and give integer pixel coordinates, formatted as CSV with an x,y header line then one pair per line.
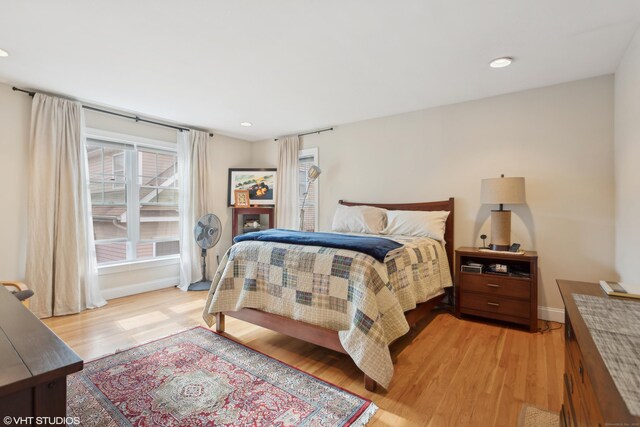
x,y
366,416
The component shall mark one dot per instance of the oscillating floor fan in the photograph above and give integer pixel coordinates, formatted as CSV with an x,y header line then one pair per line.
x,y
207,234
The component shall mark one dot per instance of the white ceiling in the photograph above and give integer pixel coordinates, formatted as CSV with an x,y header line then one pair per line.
x,y
291,65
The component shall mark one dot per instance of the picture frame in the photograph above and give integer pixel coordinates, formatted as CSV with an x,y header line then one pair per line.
x,y
241,199
259,182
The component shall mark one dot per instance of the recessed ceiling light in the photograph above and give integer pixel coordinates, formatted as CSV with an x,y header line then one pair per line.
x,y
4,53
246,124
505,61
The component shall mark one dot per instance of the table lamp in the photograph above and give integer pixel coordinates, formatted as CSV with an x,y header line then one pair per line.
x,y
502,191
312,174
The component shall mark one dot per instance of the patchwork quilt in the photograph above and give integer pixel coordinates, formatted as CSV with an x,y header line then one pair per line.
x,y
346,291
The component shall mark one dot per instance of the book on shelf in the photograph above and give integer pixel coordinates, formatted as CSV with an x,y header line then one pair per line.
x,y
618,289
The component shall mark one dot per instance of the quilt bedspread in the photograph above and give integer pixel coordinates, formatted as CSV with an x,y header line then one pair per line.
x,y
346,291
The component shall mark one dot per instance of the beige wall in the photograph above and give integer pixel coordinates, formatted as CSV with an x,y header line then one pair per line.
x,y
227,153
15,109
15,113
560,138
627,163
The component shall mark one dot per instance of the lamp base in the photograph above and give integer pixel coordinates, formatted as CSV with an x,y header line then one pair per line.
x,y
500,230
499,247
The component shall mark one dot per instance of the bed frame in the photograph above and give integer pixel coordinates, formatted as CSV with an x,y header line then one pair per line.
x,y
326,337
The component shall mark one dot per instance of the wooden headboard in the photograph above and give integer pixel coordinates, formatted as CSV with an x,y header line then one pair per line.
x,y
445,205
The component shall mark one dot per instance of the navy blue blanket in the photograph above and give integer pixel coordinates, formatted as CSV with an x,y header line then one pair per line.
x,y
377,247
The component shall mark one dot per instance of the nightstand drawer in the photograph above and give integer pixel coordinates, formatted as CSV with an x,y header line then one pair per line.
x,y
494,285
493,304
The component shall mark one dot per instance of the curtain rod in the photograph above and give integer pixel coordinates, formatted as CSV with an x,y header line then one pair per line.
x,y
310,133
99,110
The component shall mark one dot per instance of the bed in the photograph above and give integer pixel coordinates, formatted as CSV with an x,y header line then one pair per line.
x,y
338,299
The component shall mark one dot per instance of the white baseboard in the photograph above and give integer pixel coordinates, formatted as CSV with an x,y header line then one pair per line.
x,y
544,313
138,288
551,313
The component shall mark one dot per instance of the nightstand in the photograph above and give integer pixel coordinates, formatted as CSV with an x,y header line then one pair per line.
x,y
510,297
244,218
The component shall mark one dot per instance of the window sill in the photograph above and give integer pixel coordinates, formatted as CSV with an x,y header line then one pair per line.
x,y
138,265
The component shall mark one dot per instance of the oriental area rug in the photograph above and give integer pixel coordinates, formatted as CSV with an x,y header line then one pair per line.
x,y
200,378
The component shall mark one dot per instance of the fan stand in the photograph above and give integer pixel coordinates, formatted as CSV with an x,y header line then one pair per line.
x,y
203,284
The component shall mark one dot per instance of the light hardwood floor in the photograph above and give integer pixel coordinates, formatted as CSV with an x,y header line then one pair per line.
x,y
451,373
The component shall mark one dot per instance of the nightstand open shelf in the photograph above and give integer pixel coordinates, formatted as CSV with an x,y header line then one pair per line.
x,y
511,297
244,219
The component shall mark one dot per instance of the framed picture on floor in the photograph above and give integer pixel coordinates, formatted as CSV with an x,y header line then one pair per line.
x,y
260,183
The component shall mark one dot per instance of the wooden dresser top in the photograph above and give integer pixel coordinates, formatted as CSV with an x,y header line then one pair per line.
x,y
612,405
30,353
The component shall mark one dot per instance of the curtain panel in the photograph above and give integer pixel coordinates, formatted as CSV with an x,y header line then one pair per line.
x,y
193,174
287,185
61,262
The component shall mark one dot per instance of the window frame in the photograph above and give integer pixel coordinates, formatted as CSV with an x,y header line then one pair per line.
x,y
115,185
312,152
131,144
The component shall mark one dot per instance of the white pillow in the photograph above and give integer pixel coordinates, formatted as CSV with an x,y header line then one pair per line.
x,y
417,223
359,219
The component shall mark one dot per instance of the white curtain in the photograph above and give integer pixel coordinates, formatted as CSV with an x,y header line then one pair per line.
x,y
287,215
193,180
61,261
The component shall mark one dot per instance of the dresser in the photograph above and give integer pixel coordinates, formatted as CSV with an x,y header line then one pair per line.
x,y
591,397
510,297
34,364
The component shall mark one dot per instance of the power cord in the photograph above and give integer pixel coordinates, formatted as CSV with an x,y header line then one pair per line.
x,y
548,328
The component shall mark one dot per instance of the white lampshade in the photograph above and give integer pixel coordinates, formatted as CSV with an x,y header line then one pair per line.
x,y
503,191
314,172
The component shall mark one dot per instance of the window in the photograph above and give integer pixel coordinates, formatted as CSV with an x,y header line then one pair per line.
x,y
134,200
117,161
307,158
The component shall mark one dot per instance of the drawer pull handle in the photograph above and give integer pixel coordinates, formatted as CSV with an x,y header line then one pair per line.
x,y
581,372
571,383
493,304
492,285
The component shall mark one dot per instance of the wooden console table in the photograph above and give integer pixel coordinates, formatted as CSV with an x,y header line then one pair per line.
x,y
34,364
591,397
